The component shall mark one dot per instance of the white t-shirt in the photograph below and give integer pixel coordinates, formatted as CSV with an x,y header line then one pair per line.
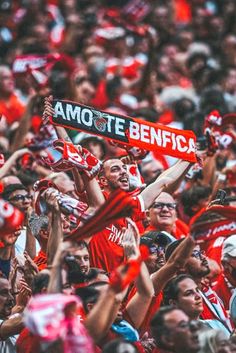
x,y
9,345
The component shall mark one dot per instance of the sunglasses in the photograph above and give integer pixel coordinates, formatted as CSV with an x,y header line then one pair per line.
x,y
156,249
21,197
161,205
198,254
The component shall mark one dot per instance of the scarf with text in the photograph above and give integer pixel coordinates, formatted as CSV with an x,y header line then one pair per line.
x,y
213,222
126,130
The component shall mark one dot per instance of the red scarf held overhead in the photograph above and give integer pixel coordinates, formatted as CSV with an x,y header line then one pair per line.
x,y
126,130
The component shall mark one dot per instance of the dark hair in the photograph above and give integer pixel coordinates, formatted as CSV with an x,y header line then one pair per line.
x,y
114,345
9,189
39,282
101,173
156,237
82,244
171,248
158,328
88,295
192,196
171,290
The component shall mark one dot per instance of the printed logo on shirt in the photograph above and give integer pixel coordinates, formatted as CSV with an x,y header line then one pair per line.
x,y
116,235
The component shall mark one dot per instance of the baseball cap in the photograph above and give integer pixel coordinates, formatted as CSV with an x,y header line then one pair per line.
x,y
229,246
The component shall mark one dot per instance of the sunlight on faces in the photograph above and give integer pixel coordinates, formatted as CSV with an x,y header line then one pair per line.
x,y
164,218
115,175
197,264
189,298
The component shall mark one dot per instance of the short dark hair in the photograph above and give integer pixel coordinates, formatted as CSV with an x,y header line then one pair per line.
x,y
88,295
171,248
158,328
101,172
157,237
171,290
9,189
192,196
40,281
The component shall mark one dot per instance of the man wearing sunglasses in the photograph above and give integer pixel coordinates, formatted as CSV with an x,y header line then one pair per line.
x,y
163,217
18,195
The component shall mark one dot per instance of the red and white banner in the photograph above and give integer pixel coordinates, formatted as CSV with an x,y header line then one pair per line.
x,y
126,130
216,221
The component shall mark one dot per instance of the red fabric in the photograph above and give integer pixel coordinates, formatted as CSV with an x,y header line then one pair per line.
x,y
181,229
100,100
41,260
223,291
105,247
12,109
183,13
27,343
153,307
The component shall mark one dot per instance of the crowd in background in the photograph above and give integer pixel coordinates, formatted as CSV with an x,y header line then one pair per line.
x,y
89,269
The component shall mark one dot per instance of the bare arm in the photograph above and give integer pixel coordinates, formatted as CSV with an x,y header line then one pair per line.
x,y
102,315
11,326
165,181
138,306
55,234
176,261
24,125
11,161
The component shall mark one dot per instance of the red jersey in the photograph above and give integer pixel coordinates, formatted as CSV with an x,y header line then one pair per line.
x,y
224,290
105,247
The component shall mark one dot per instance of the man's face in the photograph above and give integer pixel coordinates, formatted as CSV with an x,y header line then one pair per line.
x,y
7,81
85,92
197,265
230,270
21,199
82,258
189,298
182,335
115,172
156,259
6,299
163,213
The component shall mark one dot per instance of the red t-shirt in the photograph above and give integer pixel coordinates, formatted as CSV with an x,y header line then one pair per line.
x,y
181,229
105,247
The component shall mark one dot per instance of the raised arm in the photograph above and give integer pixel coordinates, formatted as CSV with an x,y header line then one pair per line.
x,y
55,233
168,180
176,261
139,304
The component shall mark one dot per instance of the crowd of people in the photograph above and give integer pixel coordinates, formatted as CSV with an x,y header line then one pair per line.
x,y
106,247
